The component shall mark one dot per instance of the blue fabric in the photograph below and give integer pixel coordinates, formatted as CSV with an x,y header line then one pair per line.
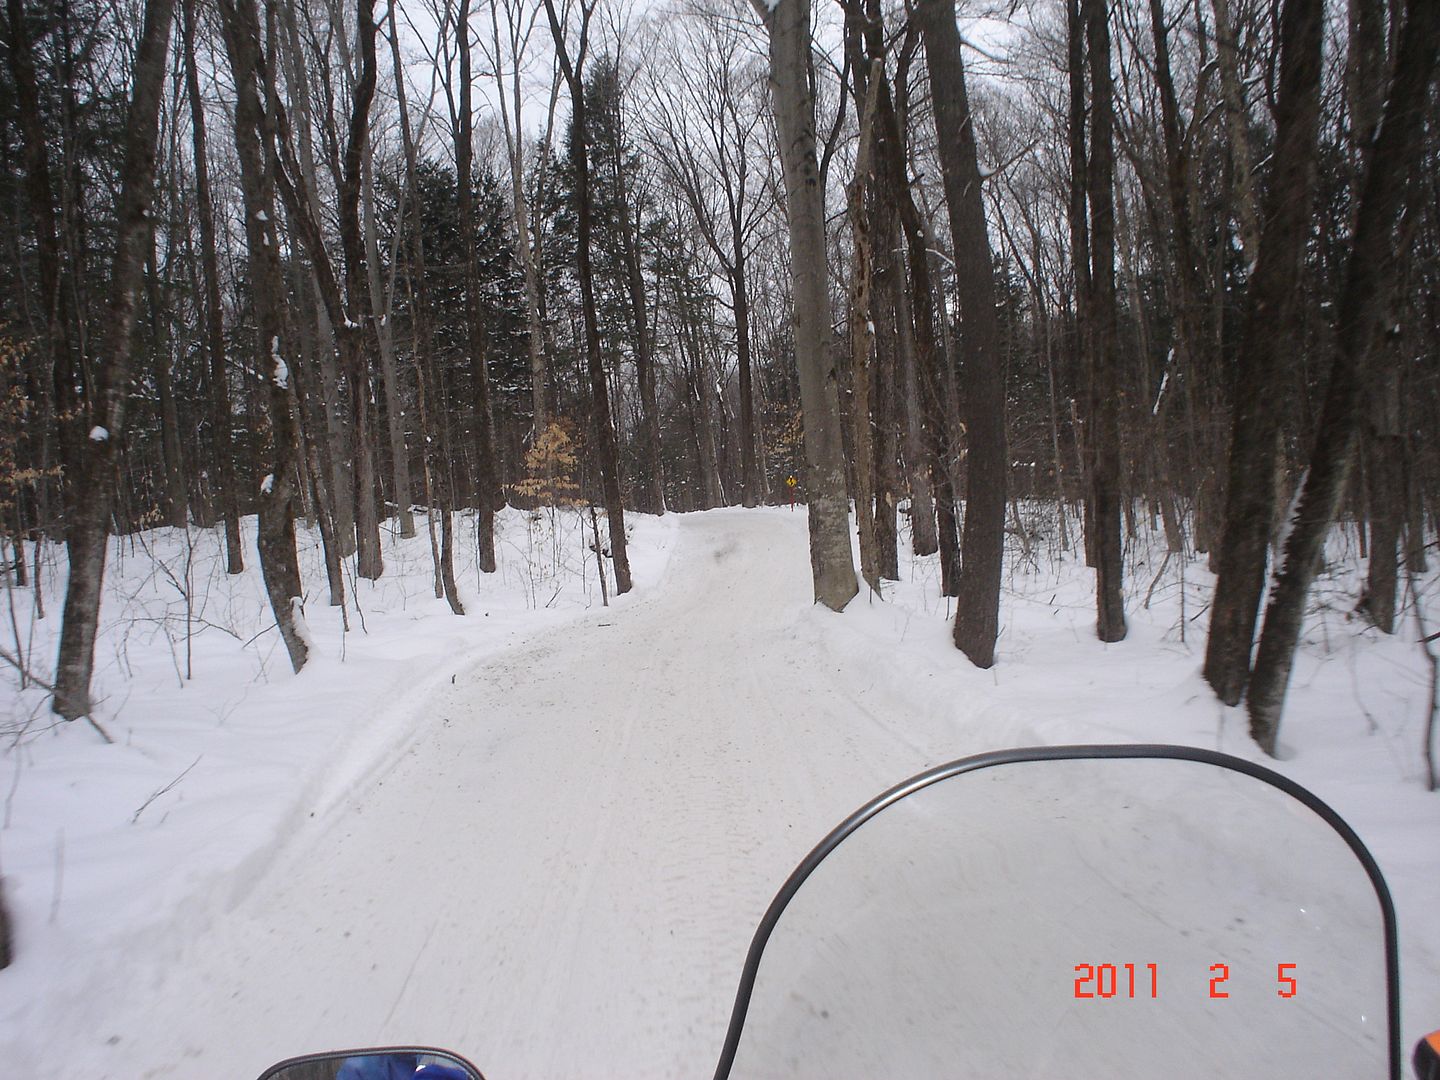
x,y
378,1067
442,1072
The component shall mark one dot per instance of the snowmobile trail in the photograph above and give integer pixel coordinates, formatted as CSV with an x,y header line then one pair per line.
x,y
560,873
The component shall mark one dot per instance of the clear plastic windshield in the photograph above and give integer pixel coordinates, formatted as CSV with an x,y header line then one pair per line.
x,y
1097,919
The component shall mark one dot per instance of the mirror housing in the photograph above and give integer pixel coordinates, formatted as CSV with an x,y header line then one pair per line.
x,y
377,1063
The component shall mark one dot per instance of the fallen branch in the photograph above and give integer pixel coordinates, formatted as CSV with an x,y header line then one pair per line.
x,y
164,789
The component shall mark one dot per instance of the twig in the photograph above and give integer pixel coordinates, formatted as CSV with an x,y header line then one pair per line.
x,y
1158,574
164,789
25,673
59,875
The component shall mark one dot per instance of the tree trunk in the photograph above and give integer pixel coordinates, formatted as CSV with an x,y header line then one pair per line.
x,y
977,610
63,338
750,486
254,138
1237,124
1369,281
358,334
433,446
1104,442
862,326
886,450
380,304
334,439
831,565
94,479
602,422
177,498
515,153
1385,476
652,471
486,482
1271,303
923,539
221,436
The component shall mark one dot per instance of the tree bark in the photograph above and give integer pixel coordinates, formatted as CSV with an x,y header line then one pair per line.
x,y
651,463
63,339
254,139
601,421
1270,303
1369,281
176,498
221,436
486,482
510,99
831,565
862,327
977,610
381,303
94,480
1104,441
358,333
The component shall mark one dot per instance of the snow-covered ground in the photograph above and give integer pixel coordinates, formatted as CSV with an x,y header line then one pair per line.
x,y
543,833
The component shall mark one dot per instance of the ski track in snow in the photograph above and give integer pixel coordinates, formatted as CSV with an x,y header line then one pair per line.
x,y
561,873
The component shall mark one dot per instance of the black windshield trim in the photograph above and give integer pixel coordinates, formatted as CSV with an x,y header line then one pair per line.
x,y
1066,753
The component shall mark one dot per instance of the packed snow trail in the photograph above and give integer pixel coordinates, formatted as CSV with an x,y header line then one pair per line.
x,y
559,875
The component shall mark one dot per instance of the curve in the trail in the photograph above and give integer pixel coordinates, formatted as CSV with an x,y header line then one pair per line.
x,y
559,876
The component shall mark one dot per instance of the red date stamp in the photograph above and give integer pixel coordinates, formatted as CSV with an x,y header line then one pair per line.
x,y
1132,981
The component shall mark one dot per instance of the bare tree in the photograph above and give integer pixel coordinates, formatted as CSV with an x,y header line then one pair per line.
x,y
507,65
255,134
1364,304
488,496
977,612
602,424
220,416
831,564
90,507
1270,302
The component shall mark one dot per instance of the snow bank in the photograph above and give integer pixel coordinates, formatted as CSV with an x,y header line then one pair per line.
x,y
115,856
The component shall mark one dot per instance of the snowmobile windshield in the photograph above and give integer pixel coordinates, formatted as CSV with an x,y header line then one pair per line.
x,y
1125,912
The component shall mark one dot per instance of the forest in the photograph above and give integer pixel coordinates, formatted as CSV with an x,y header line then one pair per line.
x,y
958,279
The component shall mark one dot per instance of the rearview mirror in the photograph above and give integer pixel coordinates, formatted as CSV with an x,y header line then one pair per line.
x,y
396,1063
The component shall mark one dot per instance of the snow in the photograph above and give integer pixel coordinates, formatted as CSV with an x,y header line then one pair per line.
x,y
282,370
99,434
267,485
542,834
